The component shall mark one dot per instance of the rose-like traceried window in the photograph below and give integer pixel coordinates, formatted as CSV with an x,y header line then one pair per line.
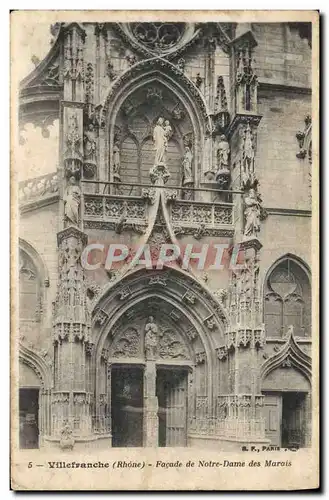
x,y
158,36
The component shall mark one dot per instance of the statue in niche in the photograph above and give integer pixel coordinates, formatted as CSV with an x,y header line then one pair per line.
x,y
198,81
248,157
72,200
151,339
116,167
161,135
90,144
160,142
116,162
187,166
248,144
252,214
223,153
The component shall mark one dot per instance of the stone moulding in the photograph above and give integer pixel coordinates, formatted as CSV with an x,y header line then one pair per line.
x,y
292,352
38,364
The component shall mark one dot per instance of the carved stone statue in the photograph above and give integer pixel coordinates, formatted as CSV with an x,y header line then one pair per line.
x,y
72,199
223,153
187,166
289,332
151,339
90,144
161,134
160,142
248,157
252,214
248,144
168,132
116,162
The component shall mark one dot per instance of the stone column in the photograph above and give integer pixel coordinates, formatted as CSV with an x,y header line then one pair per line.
x,y
151,406
71,331
245,337
151,422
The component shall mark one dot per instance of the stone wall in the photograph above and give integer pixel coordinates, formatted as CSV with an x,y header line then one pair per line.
x,y
282,55
284,179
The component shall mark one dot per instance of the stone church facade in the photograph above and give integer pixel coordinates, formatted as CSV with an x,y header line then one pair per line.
x,y
180,134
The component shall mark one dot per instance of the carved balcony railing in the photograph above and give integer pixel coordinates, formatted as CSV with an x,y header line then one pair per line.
x,y
123,211
107,211
40,189
211,215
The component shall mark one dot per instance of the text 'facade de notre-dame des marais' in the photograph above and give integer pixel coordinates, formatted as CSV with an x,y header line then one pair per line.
x,y
169,133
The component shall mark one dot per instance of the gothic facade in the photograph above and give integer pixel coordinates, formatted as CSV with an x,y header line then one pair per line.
x,y
180,134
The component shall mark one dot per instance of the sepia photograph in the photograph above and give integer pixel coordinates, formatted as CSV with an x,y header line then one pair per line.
x,y
166,294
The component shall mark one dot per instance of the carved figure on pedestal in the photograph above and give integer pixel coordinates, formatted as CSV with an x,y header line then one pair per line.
x,y
198,80
151,339
187,166
116,166
252,214
223,170
161,134
160,142
90,143
223,153
116,162
72,200
248,157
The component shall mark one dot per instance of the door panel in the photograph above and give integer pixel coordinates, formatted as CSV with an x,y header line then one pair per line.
x,y
28,418
293,419
272,414
175,405
127,407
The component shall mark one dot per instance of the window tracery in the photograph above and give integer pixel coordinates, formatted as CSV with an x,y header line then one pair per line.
x,y
133,134
158,36
287,300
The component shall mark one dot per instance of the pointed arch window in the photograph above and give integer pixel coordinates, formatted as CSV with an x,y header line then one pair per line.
x,y
287,300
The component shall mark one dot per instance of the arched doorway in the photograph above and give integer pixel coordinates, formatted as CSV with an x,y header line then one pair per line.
x,y
35,383
286,385
150,360
155,359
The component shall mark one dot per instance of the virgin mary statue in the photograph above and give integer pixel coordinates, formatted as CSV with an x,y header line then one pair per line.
x,y
160,141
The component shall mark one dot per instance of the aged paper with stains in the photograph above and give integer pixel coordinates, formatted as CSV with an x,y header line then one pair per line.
x,y
165,210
